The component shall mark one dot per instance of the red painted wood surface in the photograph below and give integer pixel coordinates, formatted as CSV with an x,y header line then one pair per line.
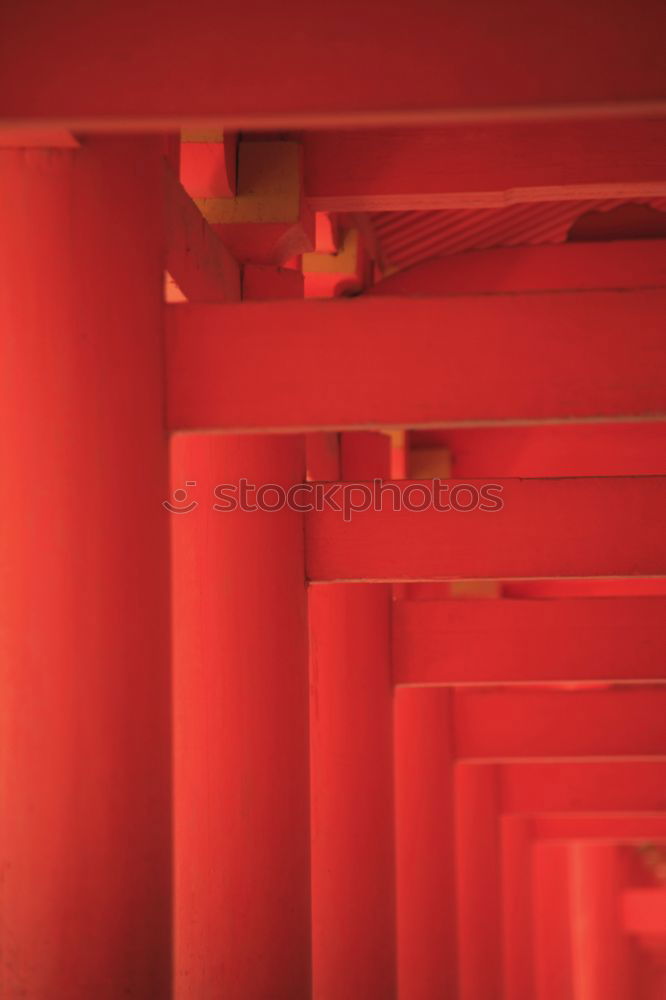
x,y
463,796
424,831
644,911
32,138
528,722
550,450
608,785
477,802
483,165
266,283
552,944
547,528
639,827
520,835
242,908
208,169
569,266
377,361
84,642
602,956
620,587
517,916
566,59
241,781
196,259
505,641
547,808
351,773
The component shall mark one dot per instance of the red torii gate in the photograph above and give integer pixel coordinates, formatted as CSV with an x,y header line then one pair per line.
x,y
283,753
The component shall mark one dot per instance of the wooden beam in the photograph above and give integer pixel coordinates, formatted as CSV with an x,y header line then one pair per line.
x,y
523,722
268,220
208,163
487,165
373,362
35,138
568,60
571,267
637,586
635,449
505,641
199,263
266,283
546,528
519,835
560,786
629,827
487,819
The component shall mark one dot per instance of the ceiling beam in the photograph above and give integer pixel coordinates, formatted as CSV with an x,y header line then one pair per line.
x,y
568,266
261,64
484,165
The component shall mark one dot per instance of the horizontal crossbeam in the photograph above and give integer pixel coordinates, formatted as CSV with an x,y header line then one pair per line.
x,y
486,165
576,786
524,723
513,641
629,826
373,362
546,528
308,64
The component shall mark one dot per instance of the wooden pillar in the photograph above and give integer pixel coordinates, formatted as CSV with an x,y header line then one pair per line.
x,y
426,911
516,897
477,809
241,773
84,660
240,726
353,881
552,921
601,955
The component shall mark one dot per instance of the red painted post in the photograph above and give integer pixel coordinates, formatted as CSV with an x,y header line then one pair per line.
x,y
426,912
84,659
241,781
602,960
477,810
351,746
242,882
516,896
552,922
